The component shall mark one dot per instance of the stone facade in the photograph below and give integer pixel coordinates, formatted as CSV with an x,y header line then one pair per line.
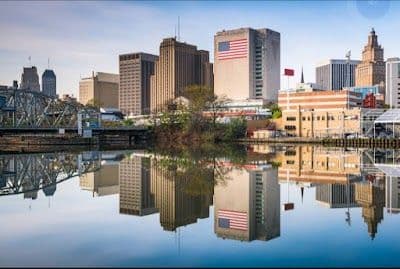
x,y
371,70
102,87
179,65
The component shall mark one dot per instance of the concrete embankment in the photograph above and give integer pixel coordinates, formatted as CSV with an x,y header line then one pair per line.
x,y
337,142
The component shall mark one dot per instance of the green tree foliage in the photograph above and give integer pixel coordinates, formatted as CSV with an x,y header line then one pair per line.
x,y
275,110
94,104
195,121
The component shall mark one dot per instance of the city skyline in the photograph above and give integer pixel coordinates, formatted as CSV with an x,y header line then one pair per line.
x,y
74,51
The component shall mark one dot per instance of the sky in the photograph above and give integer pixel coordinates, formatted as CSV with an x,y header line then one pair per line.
x,y
84,36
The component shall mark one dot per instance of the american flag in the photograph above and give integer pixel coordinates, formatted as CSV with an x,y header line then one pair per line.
x,y
233,49
232,219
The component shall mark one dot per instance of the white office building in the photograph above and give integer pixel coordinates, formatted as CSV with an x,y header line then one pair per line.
x,y
336,74
392,82
247,64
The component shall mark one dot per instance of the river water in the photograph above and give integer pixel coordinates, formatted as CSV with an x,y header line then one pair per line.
x,y
230,206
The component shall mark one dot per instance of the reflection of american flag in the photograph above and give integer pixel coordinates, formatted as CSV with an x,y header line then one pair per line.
x,y
232,49
232,219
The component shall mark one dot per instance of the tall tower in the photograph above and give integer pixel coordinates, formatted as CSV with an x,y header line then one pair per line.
x,y
371,70
30,79
178,66
49,84
247,64
135,70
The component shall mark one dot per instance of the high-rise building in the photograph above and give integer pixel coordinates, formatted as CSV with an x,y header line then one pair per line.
x,y
135,197
102,182
30,79
392,195
392,94
371,197
247,64
177,206
100,88
336,195
336,74
179,65
135,70
371,70
49,86
247,207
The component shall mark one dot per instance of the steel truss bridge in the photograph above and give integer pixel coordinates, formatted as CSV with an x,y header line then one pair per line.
x,y
29,173
29,109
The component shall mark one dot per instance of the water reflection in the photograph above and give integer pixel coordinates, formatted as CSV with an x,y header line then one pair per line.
x,y
248,195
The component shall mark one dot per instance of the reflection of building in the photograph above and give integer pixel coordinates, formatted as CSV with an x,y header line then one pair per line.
x,y
334,74
392,194
135,70
178,66
336,195
135,197
372,199
247,64
100,88
248,207
102,182
176,204
30,79
315,164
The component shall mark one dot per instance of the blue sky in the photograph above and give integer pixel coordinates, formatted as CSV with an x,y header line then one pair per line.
x,y
79,37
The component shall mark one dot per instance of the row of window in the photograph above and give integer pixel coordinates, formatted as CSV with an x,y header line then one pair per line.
x,y
329,117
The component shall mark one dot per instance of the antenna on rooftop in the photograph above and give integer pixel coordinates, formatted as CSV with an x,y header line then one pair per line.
x,y
29,58
179,29
175,31
48,63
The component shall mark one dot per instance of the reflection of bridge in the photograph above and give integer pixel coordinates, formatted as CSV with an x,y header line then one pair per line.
x,y
33,172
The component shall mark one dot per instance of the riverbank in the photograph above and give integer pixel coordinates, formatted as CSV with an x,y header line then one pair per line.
x,y
336,142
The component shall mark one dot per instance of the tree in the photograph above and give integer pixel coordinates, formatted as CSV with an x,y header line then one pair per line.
x,y
94,104
275,110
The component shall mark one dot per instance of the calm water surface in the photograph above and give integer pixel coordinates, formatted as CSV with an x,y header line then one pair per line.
x,y
264,206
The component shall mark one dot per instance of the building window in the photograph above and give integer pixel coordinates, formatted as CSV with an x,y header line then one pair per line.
x,y
303,118
290,127
290,118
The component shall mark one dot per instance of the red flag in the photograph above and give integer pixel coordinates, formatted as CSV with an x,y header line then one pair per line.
x,y
289,72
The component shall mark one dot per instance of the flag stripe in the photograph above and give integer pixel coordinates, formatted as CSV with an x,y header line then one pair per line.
x,y
232,219
233,49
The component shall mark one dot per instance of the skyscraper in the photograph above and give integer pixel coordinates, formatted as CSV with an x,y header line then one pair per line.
x,y
177,206
247,207
371,70
102,88
179,65
135,70
135,197
392,94
336,74
371,197
247,64
336,195
30,79
49,83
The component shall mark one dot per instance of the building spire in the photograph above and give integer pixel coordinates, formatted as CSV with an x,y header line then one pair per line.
x,y
302,76
302,188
